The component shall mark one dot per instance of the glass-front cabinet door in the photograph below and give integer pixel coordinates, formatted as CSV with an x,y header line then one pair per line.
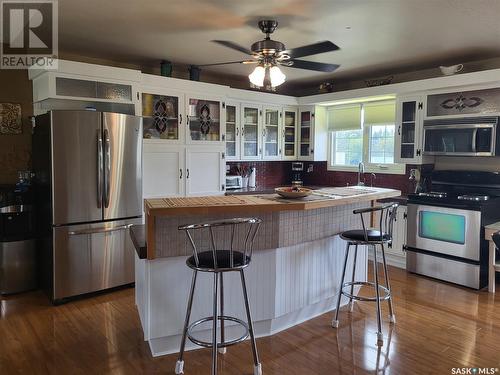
x,y
232,131
289,144
306,133
409,130
271,133
162,117
250,135
205,121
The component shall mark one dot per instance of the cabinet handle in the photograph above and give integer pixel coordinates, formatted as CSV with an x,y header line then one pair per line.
x,y
418,152
237,131
180,118
312,151
187,173
420,105
260,151
180,174
399,130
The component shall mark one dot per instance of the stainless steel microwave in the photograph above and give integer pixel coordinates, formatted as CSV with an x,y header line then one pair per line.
x,y
467,136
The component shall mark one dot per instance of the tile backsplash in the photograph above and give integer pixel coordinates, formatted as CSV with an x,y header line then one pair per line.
x,y
275,173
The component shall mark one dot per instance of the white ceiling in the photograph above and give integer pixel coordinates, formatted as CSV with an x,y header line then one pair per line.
x,y
374,35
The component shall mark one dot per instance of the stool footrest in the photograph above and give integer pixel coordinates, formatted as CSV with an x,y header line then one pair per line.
x,y
386,292
224,344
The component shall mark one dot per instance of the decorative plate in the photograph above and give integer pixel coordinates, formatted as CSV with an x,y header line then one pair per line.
x,y
293,192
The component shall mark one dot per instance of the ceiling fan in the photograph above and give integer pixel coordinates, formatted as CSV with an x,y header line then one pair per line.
x,y
268,54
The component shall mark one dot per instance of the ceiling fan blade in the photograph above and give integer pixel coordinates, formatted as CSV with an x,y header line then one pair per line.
x,y
232,45
311,65
231,62
311,49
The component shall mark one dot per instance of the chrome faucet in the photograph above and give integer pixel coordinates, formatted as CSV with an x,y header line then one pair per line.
x,y
361,170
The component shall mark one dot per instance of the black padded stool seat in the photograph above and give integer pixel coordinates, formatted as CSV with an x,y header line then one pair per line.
x,y
359,235
206,260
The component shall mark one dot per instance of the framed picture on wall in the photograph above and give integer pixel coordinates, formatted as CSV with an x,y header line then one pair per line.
x,y
10,118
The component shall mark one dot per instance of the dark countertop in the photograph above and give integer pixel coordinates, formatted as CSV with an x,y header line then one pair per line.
x,y
402,200
138,236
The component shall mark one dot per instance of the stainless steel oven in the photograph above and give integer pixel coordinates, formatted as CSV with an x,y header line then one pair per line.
x,y
471,136
445,230
445,243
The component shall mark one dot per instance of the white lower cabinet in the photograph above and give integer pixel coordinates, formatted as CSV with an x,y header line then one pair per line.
x,y
394,253
162,170
396,256
205,171
177,171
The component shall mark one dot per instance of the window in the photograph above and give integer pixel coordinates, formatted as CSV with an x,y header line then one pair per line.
x,y
382,144
348,147
363,132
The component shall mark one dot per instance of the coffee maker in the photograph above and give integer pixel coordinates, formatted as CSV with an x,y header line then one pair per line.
x,y
297,170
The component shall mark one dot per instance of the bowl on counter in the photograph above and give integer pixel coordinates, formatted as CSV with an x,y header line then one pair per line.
x,y
293,192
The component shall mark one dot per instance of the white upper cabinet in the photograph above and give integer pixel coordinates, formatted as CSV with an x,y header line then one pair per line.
x,y
271,133
408,142
205,120
251,123
233,131
289,134
163,115
312,133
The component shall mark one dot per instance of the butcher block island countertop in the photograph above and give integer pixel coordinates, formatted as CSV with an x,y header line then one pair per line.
x,y
185,210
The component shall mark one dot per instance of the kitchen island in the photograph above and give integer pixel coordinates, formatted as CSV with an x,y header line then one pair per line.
x,y
295,269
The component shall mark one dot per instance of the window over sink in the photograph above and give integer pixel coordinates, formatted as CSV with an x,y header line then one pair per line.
x,y
363,132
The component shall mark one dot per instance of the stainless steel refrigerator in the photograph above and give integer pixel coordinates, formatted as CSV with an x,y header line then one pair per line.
x,y
88,181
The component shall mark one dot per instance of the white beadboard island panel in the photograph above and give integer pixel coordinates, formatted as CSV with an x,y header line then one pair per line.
x,y
286,286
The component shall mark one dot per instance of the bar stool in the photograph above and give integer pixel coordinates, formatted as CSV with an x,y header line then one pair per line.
x,y
218,262
371,238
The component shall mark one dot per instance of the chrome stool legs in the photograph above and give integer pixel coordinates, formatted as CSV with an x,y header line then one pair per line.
x,y
380,336
351,300
214,328
179,366
335,322
392,316
222,338
218,316
376,285
257,368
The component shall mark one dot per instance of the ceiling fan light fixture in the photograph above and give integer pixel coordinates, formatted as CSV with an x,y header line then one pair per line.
x,y
257,76
276,76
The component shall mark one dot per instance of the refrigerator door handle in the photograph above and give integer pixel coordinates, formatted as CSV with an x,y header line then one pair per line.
x,y
107,167
99,230
99,168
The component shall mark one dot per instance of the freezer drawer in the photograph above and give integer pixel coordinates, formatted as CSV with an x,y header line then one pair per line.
x,y
92,257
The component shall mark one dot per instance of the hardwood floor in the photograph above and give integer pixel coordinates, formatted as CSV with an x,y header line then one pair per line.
x,y
439,327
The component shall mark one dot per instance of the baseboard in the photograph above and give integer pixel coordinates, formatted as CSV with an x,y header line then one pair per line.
x,y
392,260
